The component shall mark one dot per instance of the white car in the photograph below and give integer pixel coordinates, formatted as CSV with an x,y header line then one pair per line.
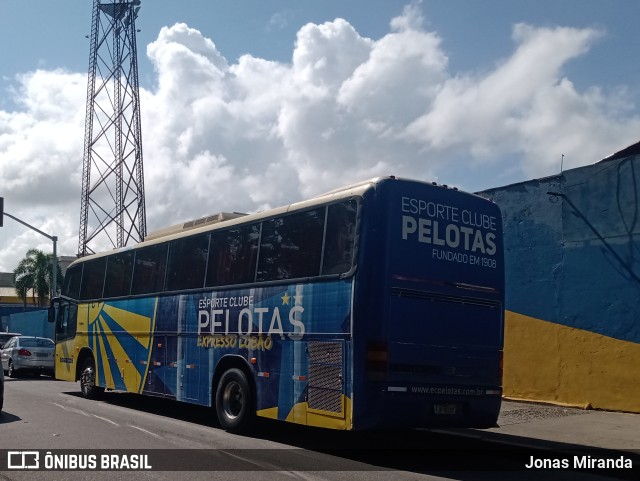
x,y
5,336
28,354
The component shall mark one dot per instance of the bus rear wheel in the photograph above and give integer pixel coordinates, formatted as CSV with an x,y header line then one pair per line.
x,y
88,380
234,401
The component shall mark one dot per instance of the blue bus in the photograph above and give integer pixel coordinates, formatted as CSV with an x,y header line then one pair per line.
x,y
378,305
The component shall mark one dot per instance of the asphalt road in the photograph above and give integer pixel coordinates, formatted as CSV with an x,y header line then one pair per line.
x,y
44,414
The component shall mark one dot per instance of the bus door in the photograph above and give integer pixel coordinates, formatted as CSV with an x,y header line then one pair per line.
x,y
65,314
155,382
189,373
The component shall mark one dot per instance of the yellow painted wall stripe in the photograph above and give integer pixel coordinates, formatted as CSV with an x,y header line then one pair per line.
x,y
554,363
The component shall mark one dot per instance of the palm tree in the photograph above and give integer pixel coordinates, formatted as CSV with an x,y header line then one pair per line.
x,y
34,273
23,282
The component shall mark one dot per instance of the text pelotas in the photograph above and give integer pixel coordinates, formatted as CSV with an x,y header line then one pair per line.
x,y
231,321
457,235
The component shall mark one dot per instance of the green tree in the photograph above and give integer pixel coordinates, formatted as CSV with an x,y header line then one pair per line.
x,y
34,274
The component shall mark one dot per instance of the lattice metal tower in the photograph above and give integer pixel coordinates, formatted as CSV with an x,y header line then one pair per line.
x,y
113,207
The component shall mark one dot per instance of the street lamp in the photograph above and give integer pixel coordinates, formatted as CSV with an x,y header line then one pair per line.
x,y
54,238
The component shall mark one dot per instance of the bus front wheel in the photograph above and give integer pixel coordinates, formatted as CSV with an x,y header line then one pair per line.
x,y
88,380
234,401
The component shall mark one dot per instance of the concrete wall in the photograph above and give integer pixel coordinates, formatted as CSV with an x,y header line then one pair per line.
x,y
573,285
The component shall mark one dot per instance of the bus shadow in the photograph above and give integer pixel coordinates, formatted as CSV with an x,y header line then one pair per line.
x,y
467,452
468,455
159,406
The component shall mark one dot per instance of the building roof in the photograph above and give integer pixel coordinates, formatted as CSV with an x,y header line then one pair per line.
x,y
626,152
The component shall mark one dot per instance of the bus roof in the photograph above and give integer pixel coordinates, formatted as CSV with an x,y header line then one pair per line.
x,y
225,219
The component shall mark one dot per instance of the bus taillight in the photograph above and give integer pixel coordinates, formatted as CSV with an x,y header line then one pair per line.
x,y
377,360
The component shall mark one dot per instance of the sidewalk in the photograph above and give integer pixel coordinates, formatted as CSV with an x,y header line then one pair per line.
x,y
573,426
558,428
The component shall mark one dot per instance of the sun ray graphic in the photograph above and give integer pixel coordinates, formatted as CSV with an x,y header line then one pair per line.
x,y
121,339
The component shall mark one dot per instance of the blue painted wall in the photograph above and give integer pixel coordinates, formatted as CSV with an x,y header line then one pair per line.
x,y
32,323
572,256
7,310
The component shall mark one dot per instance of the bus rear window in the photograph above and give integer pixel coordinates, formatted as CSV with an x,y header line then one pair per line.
x,y
340,238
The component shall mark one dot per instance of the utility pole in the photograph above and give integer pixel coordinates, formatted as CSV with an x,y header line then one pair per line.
x,y
112,209
54,261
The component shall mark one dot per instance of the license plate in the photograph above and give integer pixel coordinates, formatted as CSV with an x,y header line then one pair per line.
x,y
42,354
444,409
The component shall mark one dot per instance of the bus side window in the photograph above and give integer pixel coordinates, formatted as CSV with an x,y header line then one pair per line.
x,y
93,279
118,277
233,256
66,324
72,278
63,319
149,269
187,263
291,246
339,238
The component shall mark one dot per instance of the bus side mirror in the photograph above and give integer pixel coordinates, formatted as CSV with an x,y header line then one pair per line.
x,y
53,309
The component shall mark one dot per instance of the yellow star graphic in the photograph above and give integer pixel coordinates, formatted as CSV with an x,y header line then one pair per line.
x,y
285,299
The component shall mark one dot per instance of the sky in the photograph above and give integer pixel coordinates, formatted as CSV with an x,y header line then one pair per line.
x,y
252,104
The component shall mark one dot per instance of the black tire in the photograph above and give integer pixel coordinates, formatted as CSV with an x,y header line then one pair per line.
x,y
11,372
234,402
88,380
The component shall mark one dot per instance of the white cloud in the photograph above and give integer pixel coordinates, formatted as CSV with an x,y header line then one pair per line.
x,y
39,141
279,20
249,135
526,109
40,163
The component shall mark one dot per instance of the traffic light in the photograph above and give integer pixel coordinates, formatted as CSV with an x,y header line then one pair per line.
x,y
1,210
